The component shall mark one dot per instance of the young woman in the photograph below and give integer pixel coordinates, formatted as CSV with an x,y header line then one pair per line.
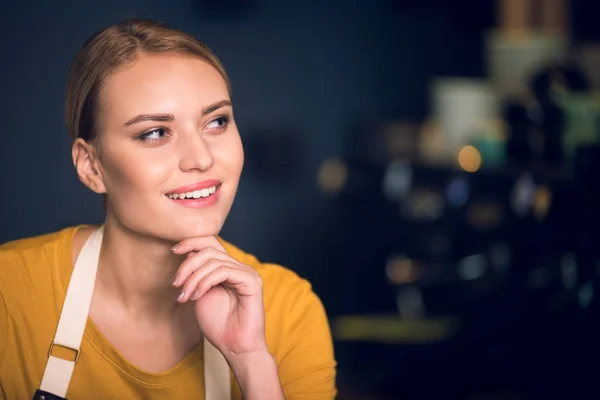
x,y
149,111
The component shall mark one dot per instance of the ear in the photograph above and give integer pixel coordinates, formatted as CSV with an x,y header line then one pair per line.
x,y
87,166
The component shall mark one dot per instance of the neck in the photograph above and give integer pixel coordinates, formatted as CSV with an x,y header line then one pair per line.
x,y
135,271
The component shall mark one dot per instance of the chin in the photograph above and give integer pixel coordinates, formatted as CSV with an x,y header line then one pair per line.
x,y
199,229
177,227
208,231
169,227
175,234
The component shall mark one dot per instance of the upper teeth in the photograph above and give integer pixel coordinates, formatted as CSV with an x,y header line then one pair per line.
x,y
193,195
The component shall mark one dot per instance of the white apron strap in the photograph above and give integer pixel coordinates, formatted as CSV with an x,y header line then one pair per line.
x,y
73,319
217,384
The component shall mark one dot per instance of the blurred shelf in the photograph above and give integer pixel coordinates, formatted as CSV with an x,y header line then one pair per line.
x,y
538,169
389,328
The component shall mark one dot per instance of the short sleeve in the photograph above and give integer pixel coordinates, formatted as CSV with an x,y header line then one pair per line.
x,y
307,366
3,329
3,337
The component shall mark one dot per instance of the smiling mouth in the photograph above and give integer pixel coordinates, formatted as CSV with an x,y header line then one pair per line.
x,y
196,194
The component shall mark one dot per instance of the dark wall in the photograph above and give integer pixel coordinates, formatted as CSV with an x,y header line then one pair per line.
x,y
306,70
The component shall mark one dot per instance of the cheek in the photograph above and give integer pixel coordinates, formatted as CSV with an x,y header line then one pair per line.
x,y
133,174
232,154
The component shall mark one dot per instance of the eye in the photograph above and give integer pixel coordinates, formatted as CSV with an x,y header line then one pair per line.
x,y
218,123
155,135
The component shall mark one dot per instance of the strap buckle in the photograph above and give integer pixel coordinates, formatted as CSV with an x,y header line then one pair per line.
x,y
65,347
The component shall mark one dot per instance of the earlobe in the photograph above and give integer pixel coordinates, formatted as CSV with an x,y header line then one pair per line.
x,y
85,161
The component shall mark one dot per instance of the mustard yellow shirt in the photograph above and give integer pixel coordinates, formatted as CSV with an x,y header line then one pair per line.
x,y
34,276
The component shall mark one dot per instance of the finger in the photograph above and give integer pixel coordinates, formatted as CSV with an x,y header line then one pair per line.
x,y
197,243
243,282
196,260
191,282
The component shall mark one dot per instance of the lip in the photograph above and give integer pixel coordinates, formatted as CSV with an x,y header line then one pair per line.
x,y
195,186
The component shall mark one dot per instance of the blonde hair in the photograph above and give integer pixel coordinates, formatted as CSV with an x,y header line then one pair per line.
x,y
111,49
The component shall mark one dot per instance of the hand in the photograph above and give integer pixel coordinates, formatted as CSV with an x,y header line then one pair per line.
x,y
228,296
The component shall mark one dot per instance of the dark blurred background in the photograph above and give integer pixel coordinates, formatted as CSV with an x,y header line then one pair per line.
x,y
430,166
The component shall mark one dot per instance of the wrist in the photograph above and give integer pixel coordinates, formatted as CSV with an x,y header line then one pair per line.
x,y
256,374
244,364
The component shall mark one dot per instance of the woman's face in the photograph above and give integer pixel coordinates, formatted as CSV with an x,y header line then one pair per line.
x,y
171,155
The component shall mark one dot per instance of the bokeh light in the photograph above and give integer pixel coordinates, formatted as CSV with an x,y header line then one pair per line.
x,y
469,159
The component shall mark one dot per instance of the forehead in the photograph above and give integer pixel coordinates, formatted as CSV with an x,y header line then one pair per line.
x,y
169,83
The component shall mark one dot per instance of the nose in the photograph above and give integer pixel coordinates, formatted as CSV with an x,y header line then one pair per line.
x,y
195,153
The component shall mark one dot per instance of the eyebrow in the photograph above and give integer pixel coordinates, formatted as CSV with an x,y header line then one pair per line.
x,y
215,106
170,117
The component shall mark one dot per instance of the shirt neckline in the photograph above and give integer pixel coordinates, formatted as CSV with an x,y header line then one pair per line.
x,y
101,344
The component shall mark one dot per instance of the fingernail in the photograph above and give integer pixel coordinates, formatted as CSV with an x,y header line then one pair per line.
x,y
181,294
174,279
195,295
174,248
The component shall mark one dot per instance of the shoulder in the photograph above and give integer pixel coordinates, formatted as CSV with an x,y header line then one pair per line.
x,y
34,242
19,252
292,308
36,249
291,305
297,329
32,264
277,279
42,242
